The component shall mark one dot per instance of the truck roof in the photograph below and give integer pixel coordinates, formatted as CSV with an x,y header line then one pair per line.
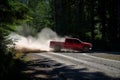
x,y
74,39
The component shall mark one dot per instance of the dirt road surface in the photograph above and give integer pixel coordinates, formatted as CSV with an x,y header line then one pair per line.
x,y
70,66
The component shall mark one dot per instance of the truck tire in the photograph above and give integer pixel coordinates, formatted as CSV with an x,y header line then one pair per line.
x,y
86,49
57,48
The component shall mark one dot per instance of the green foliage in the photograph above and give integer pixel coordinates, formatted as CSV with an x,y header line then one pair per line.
x,y
6,56
42,16
11,12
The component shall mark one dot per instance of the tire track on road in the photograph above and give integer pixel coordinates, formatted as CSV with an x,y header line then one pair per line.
x,y
72,59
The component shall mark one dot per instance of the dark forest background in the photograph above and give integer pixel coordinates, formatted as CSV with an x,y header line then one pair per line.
x,y
96,21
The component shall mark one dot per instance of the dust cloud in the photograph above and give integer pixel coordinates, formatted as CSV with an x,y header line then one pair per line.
x,y
40,42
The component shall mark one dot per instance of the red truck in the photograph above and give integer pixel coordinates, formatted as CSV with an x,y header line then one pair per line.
x,y
71,44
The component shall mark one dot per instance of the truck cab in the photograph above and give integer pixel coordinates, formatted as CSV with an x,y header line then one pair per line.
x,y
77,44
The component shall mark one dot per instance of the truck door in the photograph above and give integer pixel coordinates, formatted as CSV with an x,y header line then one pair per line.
x,y
77,44
68,44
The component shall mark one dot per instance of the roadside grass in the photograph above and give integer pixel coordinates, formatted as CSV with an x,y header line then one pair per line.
x,y
108,56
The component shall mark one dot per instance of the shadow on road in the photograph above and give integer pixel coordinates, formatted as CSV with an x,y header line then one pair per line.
x,y
46,69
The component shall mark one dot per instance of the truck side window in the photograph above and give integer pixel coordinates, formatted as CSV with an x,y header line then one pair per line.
x,y
69,41
76,41
72,41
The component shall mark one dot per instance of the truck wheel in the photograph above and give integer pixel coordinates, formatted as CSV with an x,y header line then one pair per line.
x,y
86,49
57,48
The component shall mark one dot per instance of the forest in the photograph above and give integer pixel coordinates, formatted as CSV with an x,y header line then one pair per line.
x,y
95,21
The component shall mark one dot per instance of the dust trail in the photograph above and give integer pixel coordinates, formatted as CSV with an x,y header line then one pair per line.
x,y
41,42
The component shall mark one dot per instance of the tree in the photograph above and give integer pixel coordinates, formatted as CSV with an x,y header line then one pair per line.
x,y
42,15
96,21
12,12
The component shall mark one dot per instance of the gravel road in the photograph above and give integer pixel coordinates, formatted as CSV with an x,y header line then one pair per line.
x,y
80,60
